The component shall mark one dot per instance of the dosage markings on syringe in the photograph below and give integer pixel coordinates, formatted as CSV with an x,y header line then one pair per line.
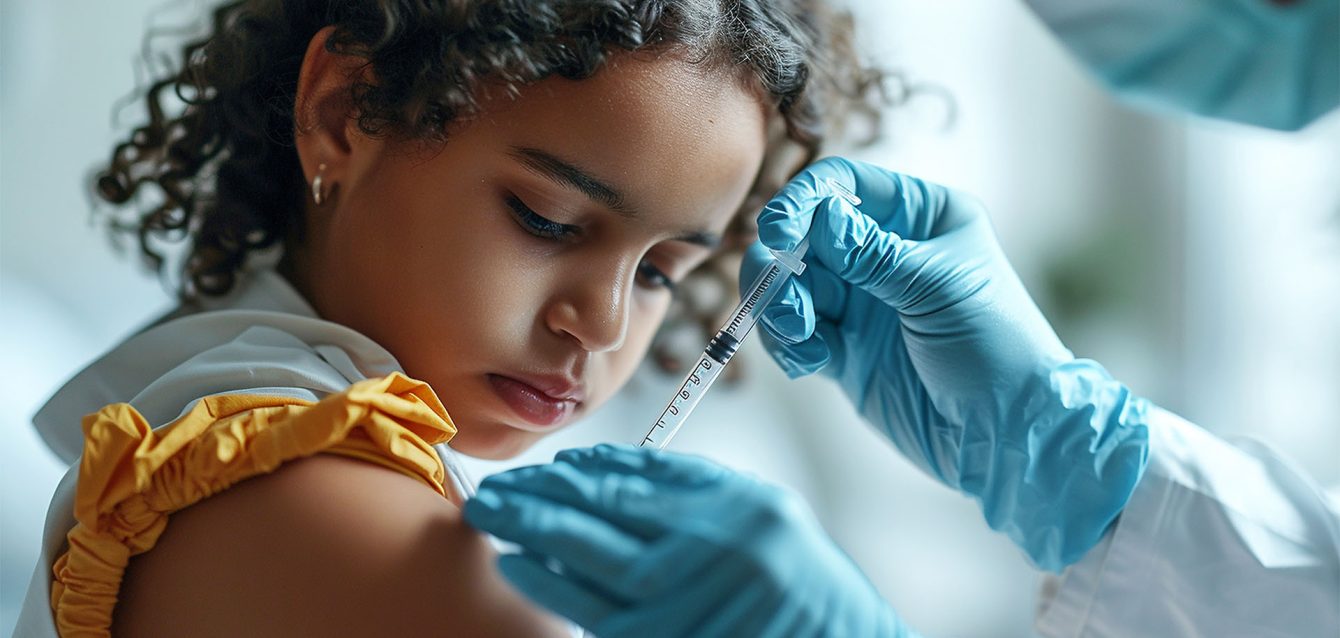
x,y
748,307
673,410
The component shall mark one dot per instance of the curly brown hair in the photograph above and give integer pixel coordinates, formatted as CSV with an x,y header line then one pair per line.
x,y
218,147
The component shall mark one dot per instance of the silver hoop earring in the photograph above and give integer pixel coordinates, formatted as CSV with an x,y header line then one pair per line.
x,y
318,193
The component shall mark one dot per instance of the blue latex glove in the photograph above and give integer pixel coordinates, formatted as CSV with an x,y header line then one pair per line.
x,y
634,542
911,306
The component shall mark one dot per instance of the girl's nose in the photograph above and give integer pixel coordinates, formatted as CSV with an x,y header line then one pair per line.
x,y
592,307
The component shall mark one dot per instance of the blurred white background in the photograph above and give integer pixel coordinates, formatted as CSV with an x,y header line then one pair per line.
x,y
1199,262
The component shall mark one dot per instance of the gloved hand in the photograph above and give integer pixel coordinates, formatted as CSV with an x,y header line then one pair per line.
x,y
909,303
650,543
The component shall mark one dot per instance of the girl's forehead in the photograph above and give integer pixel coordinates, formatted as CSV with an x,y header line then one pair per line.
x,y
661,129
662,95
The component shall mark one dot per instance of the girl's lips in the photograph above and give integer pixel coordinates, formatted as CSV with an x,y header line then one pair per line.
x,y
530,403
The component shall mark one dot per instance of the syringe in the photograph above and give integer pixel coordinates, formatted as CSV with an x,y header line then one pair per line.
x,y
721,349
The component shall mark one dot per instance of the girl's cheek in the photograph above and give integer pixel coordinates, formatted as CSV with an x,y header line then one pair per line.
x,y
641,330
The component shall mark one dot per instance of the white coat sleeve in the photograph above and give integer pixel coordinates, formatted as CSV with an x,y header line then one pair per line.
x,y
1217,540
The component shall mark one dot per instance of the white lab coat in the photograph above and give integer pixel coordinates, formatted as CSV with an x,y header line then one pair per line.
x,y
1218,540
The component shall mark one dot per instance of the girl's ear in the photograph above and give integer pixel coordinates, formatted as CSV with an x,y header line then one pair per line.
x,y
325,125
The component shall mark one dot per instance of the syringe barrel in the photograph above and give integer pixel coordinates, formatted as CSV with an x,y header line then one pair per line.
x,y
765,289
690,392
720,350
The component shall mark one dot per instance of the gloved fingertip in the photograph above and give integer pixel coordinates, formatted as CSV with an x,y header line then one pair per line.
x,y
849,223
510,478
779,229
786,326
794,324
483,509
842,219
619,458
497,480
575,455
519,569
841,203
489,499
612,450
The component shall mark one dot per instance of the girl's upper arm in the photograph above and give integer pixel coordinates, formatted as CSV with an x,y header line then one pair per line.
x,y
327,546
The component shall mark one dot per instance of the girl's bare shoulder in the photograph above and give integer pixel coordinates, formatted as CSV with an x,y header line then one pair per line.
x,y
329,546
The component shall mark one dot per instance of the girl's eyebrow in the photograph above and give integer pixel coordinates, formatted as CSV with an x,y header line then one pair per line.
x,y
569,175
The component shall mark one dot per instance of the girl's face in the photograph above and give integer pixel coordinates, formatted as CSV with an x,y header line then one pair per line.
x,y
523,267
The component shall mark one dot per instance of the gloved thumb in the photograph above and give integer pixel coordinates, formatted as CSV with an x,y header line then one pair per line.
x,y
853,246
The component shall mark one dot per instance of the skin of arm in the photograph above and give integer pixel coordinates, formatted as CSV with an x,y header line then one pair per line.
x,y
326,546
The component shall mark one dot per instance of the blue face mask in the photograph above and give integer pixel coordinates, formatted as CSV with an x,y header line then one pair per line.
x,y
1272,63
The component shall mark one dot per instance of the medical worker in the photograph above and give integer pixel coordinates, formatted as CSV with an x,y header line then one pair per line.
x,y
1147,524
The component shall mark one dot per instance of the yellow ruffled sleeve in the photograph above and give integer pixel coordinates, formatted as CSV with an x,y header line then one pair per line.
x,y
132,477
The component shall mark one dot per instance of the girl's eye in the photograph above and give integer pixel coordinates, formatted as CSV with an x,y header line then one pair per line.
x,y
536,225
654,277
539,226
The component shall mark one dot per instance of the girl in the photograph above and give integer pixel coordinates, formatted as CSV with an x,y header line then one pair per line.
x,y
409,223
